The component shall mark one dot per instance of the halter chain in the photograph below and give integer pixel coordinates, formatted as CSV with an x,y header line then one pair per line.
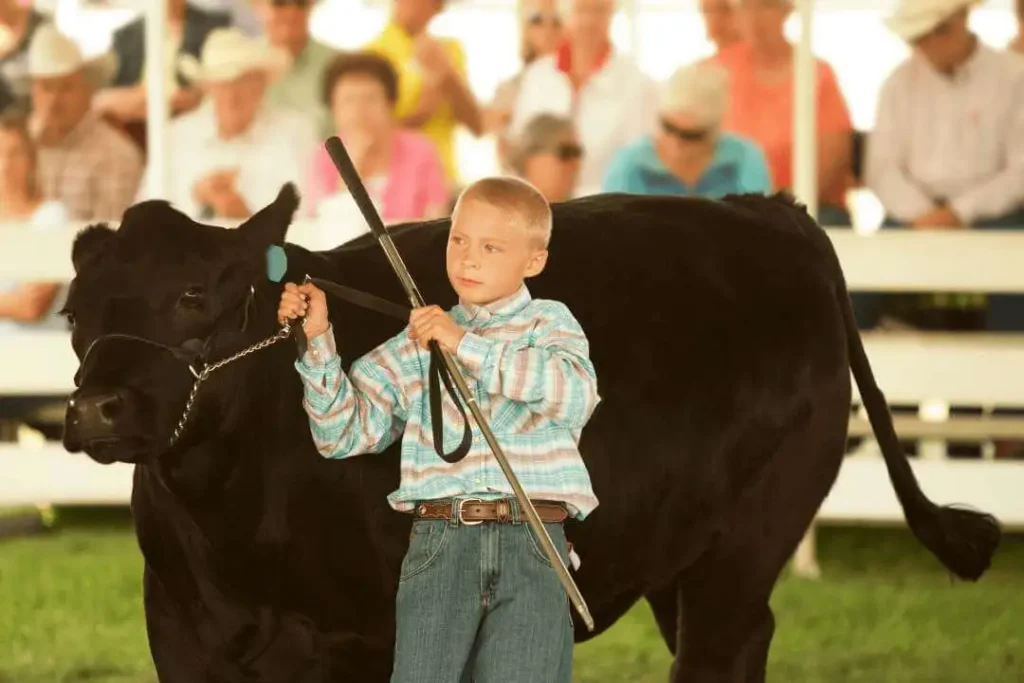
x,y
209,369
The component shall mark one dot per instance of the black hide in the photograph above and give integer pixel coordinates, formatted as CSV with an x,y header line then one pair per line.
x,y
722,338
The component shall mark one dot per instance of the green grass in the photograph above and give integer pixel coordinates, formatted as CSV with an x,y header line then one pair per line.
x,y
884,613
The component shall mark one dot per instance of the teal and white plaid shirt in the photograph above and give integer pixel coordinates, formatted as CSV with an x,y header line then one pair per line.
x,y
527,363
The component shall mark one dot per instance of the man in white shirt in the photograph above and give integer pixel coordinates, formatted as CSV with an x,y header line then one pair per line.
x,y
947,150
230,157
611,102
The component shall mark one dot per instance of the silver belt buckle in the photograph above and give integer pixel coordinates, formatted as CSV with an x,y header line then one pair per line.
x,y
462,504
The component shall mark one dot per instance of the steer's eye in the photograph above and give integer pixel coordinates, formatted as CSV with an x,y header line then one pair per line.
x,y
68,315
192,298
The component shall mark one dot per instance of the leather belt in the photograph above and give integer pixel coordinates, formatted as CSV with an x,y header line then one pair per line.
x,y
474,511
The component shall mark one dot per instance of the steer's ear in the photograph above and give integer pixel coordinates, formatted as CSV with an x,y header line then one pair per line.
x,y
90,242
270,224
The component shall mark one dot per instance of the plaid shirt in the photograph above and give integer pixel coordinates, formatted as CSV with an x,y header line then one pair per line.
x,y
526,361
94,171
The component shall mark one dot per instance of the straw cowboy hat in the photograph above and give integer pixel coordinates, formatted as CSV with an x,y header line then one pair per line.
x,y
228,53
52,54
915,18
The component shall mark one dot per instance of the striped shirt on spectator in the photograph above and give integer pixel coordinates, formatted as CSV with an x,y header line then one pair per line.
x,y
94,171
527,363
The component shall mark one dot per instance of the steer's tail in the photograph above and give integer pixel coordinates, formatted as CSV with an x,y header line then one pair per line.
x,y
963,540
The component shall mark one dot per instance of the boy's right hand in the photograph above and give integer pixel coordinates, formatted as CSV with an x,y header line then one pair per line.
x,y
306,299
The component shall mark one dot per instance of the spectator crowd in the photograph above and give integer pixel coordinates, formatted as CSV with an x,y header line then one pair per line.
x,y
253,94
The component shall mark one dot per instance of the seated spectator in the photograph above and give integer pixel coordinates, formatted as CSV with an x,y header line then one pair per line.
x,y
25,305
547,155
433,92
238,149
720,23
18,23
689,155
761,106
187,30
299,87
540,32
947,150
84,162
608,98
400,168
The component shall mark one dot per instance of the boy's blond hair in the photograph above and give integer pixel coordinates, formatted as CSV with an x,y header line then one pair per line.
x,y
520,200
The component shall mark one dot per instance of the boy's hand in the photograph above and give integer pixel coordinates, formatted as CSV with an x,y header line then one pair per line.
x,y
431,323
307,299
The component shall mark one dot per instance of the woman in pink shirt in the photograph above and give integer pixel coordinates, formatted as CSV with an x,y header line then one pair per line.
x,y
400,168
761,106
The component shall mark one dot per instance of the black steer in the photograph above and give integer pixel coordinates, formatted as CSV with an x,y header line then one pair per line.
x,y
723,340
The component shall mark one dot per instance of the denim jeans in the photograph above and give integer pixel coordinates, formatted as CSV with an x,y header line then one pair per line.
x,y
480,603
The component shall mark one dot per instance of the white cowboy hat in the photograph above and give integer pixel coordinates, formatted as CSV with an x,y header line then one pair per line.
x,y
52,54
228,53
915,18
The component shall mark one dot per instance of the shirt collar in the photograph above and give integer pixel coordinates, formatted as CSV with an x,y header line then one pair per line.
x,y
505,307
208,125
563,59
965,71
721,157
81,130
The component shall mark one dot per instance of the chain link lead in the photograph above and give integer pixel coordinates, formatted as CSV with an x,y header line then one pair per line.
x,y
201,377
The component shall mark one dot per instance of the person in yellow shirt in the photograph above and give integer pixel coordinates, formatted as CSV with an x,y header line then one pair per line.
x,y
433,93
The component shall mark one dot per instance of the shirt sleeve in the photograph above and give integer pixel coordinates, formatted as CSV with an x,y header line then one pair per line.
x,y
363,411
888,155
754,175
619,174
551,372
1004,191
833,114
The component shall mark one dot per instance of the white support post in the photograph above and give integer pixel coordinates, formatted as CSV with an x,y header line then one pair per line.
x,y
805,188
805,149
157,101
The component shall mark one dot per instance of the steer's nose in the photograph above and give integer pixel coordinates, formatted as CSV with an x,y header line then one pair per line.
x,y
94,414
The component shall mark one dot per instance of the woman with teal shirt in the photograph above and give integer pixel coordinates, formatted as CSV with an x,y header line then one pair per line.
x,y
688,155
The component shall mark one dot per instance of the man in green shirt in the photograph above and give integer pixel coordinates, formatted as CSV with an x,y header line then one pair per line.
x,y
286,26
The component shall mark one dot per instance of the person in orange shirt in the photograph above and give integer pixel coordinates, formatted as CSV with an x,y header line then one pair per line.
x,y
761,106
433,92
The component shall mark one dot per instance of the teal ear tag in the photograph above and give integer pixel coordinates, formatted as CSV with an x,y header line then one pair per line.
x,y
277,263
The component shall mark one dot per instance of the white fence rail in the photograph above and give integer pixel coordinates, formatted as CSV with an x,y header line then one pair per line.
x,y
911,368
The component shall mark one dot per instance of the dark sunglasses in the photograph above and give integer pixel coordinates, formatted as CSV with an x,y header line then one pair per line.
x,y
539,18
682,133
567,151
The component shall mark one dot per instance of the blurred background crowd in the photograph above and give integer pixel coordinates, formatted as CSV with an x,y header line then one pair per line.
x,y
258,84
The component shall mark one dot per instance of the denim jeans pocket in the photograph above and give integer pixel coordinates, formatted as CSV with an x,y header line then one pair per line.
x,y
426,542
557,533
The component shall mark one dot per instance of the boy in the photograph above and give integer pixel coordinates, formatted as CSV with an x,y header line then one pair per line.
x,y
476,596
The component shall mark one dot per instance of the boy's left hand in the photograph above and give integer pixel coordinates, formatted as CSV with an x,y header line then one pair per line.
x,y
432,323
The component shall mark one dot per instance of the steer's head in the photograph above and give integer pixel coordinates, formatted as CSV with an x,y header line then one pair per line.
x,y
153,300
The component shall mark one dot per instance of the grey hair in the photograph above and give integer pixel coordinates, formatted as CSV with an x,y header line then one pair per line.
x,y
537,135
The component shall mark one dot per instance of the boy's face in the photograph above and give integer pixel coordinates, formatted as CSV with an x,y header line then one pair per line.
x,y
490,254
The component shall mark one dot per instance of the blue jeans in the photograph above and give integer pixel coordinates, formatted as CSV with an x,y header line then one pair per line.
x,y
482,604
